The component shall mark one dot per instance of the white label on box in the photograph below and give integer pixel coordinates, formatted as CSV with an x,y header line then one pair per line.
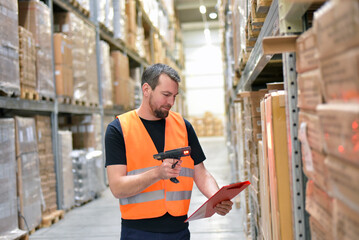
x,y
30,134
306,152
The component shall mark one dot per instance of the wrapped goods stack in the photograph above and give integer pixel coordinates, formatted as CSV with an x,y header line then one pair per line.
x,y
28,178
35,17
9,48
9,227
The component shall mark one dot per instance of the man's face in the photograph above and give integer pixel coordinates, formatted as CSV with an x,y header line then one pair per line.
x,y
163,96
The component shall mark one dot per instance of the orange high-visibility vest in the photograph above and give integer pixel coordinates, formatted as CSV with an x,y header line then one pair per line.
x,y
164,195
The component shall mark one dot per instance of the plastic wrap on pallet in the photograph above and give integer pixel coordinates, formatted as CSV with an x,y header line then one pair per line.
x,y
106,78
91,64
8,199
27,58
105,13
30,190
9,48
119,19
96,167
25,135
46,163
65,146
82,176
35,16
85,4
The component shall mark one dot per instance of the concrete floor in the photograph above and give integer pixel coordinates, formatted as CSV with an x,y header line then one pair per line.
x,y
100,219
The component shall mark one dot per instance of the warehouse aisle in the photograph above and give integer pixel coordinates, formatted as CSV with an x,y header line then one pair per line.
x,y
100,219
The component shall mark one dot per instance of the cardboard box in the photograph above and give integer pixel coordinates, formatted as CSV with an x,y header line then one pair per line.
x,y
62,49
121,67
313,130
64,80
319,205
27,58
346,222
26,140
340,126
315,169
252,102
340,76
278,165
131,16
336,25
307,52
309,90
318,232
264,193
344,178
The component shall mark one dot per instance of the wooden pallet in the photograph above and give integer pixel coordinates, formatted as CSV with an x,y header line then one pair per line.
x,y
7,93
46,98
30,94
52,218
91,104
79,102
64,99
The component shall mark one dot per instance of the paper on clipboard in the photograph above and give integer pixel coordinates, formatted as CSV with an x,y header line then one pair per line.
x,y
225,193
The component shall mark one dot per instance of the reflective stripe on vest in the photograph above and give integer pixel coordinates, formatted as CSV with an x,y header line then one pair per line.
x,y
156,195
162,196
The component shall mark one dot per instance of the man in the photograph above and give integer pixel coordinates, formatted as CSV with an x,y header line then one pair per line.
x,y
153,207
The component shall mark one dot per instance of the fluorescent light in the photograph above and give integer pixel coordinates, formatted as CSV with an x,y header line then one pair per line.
x,y
213,15
202,9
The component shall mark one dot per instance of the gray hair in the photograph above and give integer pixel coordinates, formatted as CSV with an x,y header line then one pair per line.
x,y
153,72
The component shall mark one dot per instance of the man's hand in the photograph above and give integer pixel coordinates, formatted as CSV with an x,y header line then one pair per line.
x,y
166,170
223,207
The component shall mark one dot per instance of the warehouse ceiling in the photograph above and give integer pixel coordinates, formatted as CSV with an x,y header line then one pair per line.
x,y
190,17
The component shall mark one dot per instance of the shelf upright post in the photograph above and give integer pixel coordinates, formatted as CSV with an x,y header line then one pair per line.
x,y
55,125
94,20
290,17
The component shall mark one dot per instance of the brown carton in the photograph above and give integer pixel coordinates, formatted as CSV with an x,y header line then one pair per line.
x,y
340,127
340,77
307,51
344,178
319,205
336,25
346,222
309,90
278,165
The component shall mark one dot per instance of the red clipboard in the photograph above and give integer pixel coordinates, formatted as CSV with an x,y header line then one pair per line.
x,y
225,193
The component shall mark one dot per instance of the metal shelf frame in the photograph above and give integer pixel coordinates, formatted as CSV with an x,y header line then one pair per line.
x,y
284,18
54,108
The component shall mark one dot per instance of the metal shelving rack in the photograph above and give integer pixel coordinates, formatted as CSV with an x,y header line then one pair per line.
x,y
284,18
53,108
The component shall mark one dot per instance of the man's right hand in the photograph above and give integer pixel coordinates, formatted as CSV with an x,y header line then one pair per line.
x,y
166,171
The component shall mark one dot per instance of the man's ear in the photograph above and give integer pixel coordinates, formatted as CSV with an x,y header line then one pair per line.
x,y
146,89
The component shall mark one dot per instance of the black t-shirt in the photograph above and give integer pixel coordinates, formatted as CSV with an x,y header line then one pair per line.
x,y
116,154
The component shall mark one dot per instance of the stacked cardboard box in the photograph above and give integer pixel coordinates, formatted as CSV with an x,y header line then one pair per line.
x,y
207,125
252,134
131,23
123,85
46,164
327,60
27,61
35,17
65,149
9,48
85,129
278,166
119,19
106,75
28,178
8,200
83,38
63,65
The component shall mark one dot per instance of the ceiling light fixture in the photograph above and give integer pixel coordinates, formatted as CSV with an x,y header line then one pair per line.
x,y
202,9
213,15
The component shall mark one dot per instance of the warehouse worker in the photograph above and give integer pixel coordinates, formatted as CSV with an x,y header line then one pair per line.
x,y
153,207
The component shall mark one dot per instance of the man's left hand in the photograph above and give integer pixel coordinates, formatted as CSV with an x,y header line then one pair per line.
x,y
223,207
